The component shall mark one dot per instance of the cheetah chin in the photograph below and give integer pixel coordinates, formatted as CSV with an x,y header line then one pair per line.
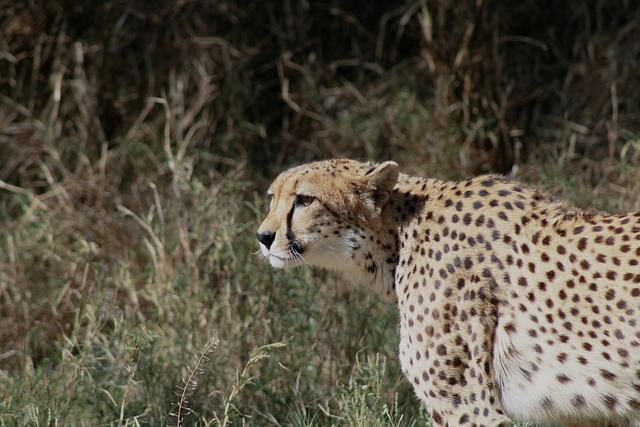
x,y
512,305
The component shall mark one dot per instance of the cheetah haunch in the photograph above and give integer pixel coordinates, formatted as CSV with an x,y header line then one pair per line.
x,y
512,305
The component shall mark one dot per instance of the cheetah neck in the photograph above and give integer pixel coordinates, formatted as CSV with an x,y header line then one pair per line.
x,y
378,249
374,261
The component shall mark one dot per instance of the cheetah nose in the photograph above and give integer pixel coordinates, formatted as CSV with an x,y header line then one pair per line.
x,y
266,238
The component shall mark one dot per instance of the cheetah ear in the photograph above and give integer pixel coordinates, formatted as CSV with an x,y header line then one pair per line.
x,y
382,178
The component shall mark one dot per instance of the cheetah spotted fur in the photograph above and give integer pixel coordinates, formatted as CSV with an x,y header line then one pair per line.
x,y
513,306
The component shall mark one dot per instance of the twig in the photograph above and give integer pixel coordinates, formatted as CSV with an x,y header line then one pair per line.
x,y
191,382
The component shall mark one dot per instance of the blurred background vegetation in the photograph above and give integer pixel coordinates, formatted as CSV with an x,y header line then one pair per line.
x,y
137,139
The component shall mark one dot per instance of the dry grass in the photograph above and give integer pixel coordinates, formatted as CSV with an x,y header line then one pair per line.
x,y
136,139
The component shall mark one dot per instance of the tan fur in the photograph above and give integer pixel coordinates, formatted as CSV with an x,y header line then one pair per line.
x,y
512,305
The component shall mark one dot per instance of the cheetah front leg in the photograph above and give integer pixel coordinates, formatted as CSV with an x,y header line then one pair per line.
x,y
455,378
463,392
454,406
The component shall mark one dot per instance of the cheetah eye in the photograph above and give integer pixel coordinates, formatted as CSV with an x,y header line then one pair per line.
x,y
304,200
270,199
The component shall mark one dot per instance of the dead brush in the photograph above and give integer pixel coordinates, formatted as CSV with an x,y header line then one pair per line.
x,y
135,139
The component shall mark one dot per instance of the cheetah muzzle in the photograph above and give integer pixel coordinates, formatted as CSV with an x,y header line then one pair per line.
x,y
512,305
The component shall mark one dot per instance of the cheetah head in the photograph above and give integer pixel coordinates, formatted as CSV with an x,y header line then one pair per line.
x,y
324,214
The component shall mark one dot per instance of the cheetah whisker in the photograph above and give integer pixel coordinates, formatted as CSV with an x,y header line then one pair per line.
x,y
297,257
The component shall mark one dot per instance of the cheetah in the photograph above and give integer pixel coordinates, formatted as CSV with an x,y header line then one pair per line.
x,y
512,305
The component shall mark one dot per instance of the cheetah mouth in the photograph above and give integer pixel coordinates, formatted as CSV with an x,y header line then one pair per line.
x,y
281,262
